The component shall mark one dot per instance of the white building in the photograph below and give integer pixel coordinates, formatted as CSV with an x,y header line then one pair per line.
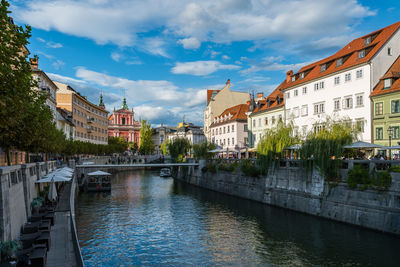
x,y
45,85
229,129
193,133
339,86
265,113
218,101
65,124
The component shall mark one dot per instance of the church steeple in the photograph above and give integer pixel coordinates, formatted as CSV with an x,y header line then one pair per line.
x,y
101,103
124,105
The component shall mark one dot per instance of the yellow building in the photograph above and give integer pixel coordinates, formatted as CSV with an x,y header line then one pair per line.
x,y
89,119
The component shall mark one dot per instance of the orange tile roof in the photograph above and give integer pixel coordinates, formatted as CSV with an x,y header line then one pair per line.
x,y
349,55
393,73
272,99
209,94
238,112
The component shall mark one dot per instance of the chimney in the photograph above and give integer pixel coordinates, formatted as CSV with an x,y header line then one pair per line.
x,y
260,95
228,81
34,62
289,76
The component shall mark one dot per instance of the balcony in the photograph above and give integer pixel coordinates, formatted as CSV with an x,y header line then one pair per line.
x,y
89,129
90,119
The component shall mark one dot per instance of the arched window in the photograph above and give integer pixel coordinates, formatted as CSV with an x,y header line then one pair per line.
x,y
123,121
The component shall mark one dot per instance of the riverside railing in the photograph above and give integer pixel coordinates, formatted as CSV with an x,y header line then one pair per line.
x,y
75,240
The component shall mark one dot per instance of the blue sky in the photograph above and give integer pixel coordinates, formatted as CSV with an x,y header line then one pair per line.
x,y
164,54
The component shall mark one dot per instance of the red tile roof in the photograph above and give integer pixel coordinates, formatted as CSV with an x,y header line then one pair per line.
x,y
209,94
272,98
237,112
349,55
393,73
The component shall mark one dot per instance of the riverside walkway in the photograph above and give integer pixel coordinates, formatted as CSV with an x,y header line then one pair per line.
x,y
62,251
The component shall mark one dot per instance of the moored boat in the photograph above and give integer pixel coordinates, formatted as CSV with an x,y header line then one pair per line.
x,y
165,172
98,181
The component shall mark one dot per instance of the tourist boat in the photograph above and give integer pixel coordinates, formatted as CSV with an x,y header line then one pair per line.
x,y
98,181
165,172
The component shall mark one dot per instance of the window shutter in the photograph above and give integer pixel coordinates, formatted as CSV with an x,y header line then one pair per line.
x,y
393,107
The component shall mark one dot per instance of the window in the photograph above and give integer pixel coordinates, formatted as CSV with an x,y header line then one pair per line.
x,y
359,101
319,108
288,95
288,113
396,132
293,78
379,133
233,140
323,67
229,128
389,51
229,141
348,102
224,129
280,118
304,90
123,121
359,74
360,125
387,83
273,119
245,128
379,108
259,122
220,131
296,112
339,62
254,123
233,128
367,40
336,104
318,86
395,106
337,80
304,130
347,77
296,92
304,110
361,54
302,75
266,120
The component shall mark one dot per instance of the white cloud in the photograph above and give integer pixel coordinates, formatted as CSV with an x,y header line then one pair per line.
x,y
116,56
154,45
58,64
190,43
64,79
271,64
200,68
192,22
53,45
41,40
226,57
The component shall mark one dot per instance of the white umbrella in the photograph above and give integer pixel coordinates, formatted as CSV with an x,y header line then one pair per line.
x,y
67,169
52,196
217,150
98,173
293,147
55,177
363,145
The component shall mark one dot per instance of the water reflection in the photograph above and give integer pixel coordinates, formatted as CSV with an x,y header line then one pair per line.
x,y
148,220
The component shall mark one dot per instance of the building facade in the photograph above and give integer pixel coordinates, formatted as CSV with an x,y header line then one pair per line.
x,y
90,120
386,107
45,85
229,129
194,134
121,123
218,101
160,134
65,123
339,86
265,113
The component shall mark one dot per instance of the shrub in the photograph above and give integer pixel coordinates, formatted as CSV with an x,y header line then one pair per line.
x,y
394,169
8,249
211,167
357,175
249,169
382,179
227,167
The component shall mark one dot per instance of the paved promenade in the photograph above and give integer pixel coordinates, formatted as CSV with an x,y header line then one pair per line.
x,y
62,252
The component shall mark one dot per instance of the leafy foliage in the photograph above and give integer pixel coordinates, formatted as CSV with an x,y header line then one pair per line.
x,y
361,176
146,139
201,150
273,142
164,147
249,168
228,167
177,148
8,249
325,146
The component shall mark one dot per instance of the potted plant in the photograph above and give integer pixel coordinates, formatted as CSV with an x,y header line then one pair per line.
x,y
36,204
8,250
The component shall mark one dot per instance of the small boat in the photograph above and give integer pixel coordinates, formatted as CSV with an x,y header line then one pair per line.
x,y
98,181
165,172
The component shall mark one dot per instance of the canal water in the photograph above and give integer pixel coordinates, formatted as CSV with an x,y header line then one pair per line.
x,y
152,221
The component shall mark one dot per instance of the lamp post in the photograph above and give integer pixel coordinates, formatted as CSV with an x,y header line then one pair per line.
x,y
390,133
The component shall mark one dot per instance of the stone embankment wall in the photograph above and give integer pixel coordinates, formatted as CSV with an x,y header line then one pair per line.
x,y
17,190
293,188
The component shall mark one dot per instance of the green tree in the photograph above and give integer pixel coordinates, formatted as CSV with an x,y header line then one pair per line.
x,y
164,147
16,83
146,139
273,142
201,151
178,147
133,146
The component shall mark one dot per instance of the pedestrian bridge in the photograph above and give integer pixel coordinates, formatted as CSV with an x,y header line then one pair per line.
x,y
140,165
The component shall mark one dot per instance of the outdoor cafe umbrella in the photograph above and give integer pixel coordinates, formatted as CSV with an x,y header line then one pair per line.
x,y
363,145
293,147
55,177
52,196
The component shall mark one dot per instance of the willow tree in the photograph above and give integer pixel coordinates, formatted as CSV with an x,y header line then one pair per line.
x,y
324,145
272,143
146,146
201,151
178,147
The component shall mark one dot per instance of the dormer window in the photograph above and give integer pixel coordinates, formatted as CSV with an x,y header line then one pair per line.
x,y
387,83
268,103
302,75
361,54
339,62
293,78
323,67
278,100
367,40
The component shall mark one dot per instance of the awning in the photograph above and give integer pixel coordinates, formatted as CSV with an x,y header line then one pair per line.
x,y
98,173
363,145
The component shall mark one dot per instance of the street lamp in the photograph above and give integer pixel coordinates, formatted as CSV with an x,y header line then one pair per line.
x,y
390,133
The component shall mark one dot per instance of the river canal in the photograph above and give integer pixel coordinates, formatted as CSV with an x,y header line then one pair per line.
x,y
152,221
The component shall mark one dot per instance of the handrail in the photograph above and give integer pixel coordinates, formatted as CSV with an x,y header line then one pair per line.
x,y
75,240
